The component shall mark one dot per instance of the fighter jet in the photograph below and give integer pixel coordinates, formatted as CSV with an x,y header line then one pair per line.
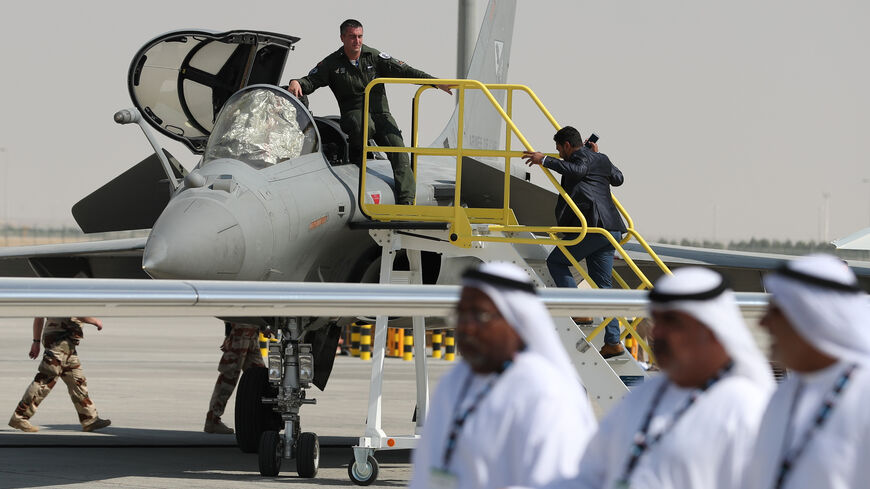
x,y
274,197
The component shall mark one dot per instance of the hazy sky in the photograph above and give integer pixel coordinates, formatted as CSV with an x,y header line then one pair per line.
x,y
729,119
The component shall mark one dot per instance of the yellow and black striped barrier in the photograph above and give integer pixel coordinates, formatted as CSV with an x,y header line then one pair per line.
x,y
450,345
436,343
365,342
354,339
400,343
408,345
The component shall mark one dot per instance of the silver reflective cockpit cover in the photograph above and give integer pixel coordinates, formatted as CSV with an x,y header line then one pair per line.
x,y
180,81
259,127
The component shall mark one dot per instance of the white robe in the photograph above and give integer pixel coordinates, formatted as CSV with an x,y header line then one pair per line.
x,y
707,448
837,456
531,428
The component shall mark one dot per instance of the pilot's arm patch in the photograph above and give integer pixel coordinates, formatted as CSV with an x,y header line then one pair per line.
x,y
385,55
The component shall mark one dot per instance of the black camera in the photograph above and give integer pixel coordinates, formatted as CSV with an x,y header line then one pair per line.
x,y
593,138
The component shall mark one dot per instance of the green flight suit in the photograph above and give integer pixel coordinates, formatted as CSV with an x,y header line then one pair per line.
x,y
348,82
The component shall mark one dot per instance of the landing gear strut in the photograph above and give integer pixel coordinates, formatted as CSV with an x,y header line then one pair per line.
x,y
290,370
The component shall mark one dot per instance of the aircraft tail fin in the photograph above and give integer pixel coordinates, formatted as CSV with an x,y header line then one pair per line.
x,y
482,128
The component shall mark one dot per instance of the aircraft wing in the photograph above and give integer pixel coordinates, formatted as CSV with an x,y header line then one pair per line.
x,y
117,258
743,269
859,240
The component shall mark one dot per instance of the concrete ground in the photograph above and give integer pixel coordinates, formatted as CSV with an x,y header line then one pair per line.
x,y
153,378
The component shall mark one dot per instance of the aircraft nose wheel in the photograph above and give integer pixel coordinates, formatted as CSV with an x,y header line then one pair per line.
x,y
363,476
271,452
307,455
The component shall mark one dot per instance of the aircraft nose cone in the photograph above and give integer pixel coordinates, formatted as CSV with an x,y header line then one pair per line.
x,y
194,238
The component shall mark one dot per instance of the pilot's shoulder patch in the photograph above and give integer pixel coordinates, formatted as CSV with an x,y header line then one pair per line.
x,y
385,55
313,71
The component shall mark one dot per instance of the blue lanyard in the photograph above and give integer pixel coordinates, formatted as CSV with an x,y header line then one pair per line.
x,y
642,440
830,400
459,418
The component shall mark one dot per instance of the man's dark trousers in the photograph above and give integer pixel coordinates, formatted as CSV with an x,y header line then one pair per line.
x,y
598,252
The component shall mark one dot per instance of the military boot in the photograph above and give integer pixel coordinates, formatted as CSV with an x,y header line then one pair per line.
x,y
23,425
97,424
217,427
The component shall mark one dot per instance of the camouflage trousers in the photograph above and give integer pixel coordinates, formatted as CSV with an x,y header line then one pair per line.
x,y
241,352
59,360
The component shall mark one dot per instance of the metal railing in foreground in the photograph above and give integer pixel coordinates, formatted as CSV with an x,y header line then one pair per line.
x,y
59,297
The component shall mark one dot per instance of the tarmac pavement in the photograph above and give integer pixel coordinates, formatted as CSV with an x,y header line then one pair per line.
x,y
153,378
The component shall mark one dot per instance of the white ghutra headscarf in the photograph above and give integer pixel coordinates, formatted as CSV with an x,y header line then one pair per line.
x,y
704,295
512,292
822,300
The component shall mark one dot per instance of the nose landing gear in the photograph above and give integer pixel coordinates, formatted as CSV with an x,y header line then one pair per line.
x,y
289,372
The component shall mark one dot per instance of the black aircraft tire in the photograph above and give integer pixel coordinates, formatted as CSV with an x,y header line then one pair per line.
x,y
252,416
270,455
361,479
307,455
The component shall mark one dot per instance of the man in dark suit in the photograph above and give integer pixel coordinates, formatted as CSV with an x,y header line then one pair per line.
x,y
586,176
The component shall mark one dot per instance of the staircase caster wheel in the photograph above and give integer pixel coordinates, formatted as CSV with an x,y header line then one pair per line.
x,y
363,476
271,452
307,455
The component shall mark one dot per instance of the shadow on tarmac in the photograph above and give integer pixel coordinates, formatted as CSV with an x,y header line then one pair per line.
x,y
155,458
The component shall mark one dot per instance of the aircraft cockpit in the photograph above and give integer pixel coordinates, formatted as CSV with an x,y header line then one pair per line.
x,y
262,126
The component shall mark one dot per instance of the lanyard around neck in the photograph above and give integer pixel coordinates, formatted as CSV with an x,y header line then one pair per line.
x,y
459,418
828,402
642,440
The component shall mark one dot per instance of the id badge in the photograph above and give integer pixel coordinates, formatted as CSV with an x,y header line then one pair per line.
x,y
442,479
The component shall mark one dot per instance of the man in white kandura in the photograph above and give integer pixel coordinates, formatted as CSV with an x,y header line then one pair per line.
x,y
816,431
695,426
513,412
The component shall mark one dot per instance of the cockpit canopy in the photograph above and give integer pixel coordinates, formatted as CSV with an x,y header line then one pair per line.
x,y
180,80
262,125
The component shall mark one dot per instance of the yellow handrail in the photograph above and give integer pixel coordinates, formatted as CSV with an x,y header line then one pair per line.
x,y
501,219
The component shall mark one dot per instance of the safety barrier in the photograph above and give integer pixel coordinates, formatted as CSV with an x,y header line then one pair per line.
x,y
354,339
436,343
503,219
450,345
365,342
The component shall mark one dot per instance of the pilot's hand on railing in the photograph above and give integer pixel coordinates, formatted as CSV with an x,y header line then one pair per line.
x,y
534,157
295,88
445,88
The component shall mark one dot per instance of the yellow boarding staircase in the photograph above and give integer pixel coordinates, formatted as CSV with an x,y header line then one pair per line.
x,y
502,223
464,235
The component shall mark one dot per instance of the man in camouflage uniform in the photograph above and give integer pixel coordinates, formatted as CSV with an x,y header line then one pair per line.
x,y
346,72
60,335
241,351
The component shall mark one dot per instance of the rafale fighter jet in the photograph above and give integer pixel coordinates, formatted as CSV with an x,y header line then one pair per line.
x,y
274,197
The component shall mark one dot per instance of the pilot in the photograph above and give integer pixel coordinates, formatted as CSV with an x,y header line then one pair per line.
x,y
587,176
61,336
241,349
347,71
